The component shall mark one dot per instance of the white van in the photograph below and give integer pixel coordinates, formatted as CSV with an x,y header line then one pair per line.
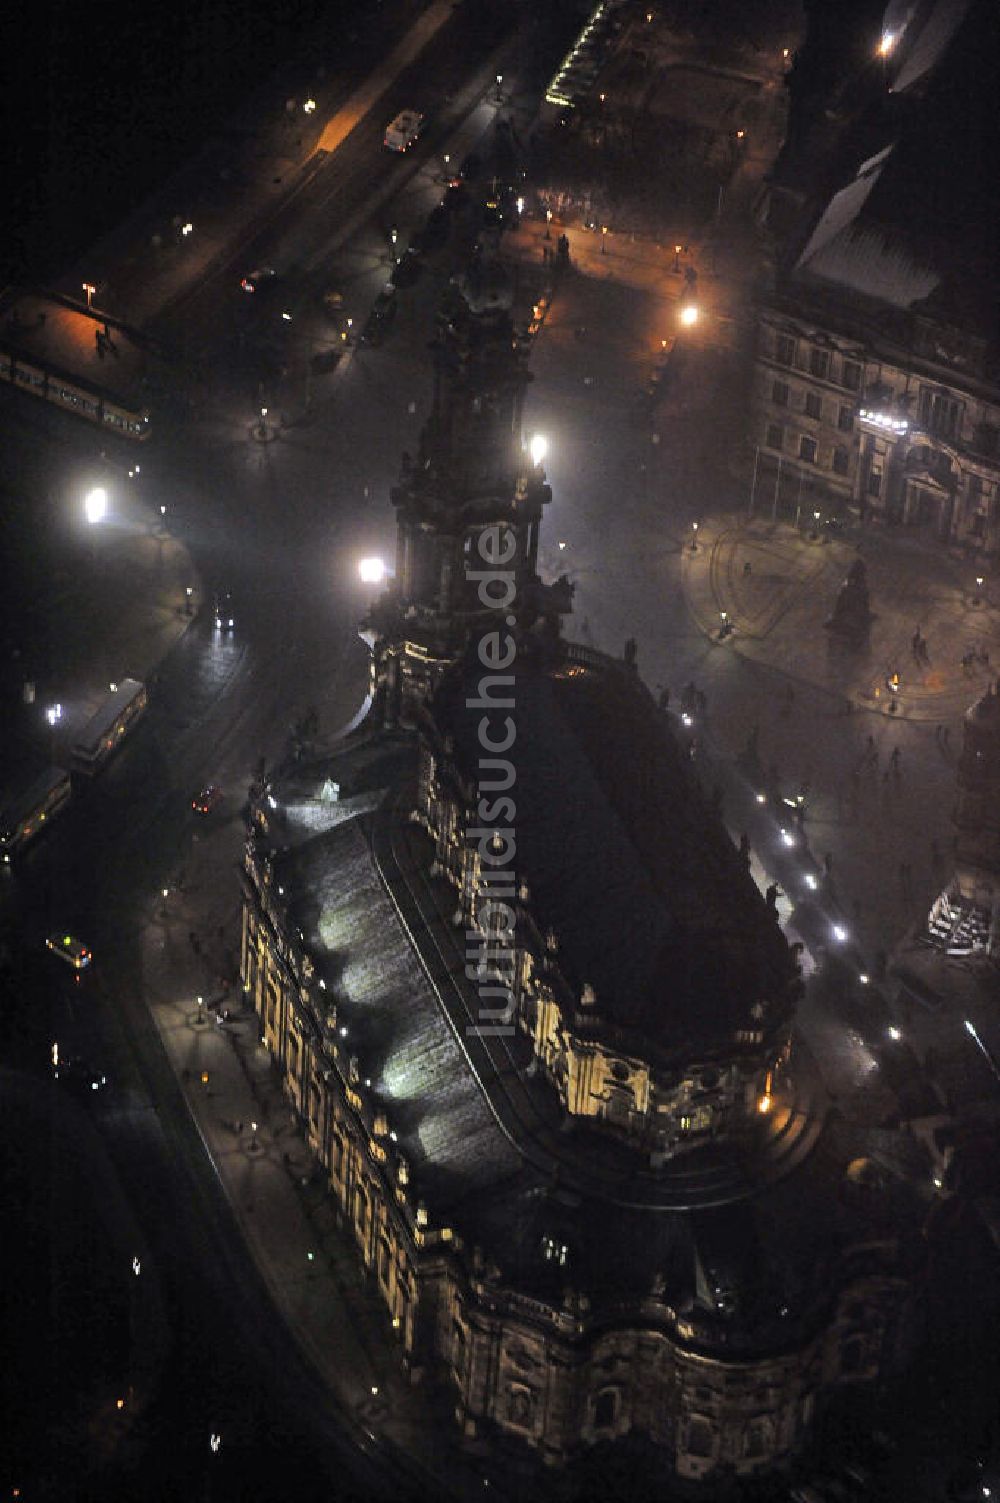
x,y
401,133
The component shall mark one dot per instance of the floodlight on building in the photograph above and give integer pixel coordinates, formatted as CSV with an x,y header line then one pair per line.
x,y
839,933
764,1104
372,570
538,448
689,315
864,978
811,882
885,420
787,838
894,1033
887,42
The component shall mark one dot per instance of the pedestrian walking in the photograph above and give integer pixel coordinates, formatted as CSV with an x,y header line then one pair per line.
x,y
894,759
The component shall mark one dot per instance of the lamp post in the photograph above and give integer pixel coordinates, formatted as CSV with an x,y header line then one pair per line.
x,y
89,289
694,537
53,715
979,590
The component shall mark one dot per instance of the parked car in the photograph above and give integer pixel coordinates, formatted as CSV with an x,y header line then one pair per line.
x,y
381,317
406,270
325,360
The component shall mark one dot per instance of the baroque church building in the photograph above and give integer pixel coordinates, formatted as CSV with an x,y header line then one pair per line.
x,y
534,1016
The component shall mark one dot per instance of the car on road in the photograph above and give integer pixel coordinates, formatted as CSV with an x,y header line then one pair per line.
x,y
78,1073
261,280
208,799
225,619
70,949
381,317
404,131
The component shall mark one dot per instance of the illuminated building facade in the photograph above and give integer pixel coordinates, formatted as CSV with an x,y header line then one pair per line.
x,y
876,384
556,1099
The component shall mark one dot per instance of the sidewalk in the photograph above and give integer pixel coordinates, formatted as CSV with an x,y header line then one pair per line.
x,y
271,1179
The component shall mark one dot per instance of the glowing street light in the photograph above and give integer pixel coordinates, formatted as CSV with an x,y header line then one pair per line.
x,y
309,106
689,315
538,448
95,504
886,43
372,570
89,289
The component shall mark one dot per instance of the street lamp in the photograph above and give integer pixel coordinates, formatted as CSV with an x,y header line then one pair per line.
x,y
979,590
538,448
95,504
689,315
89,289
694,537
372,570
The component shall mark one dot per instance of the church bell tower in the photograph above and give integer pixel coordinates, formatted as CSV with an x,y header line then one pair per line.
x,y
472,475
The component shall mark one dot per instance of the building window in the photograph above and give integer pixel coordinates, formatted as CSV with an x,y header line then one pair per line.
x,y
606,1409
851,375
699,1436
784,349
775,436
814,406
757,1439
845,420
986,438
940,413
779,394
819,363
519,1406
383,1261
874,481
841,461
807,449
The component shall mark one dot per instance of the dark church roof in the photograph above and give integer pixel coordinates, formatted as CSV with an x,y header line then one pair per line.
x,y
624,859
